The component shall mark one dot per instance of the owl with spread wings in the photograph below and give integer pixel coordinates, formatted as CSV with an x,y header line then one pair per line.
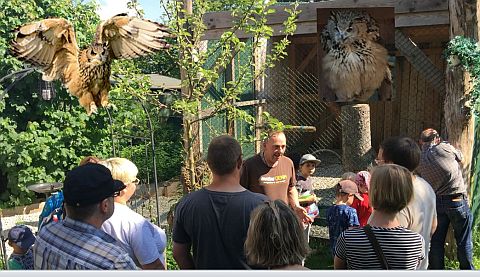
x,y
50,45
354,65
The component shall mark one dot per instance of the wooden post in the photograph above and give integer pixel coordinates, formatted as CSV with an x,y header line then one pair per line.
x,y
259,53
356,138
459,123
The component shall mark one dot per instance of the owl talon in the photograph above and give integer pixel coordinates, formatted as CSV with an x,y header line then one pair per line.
x,y
93,108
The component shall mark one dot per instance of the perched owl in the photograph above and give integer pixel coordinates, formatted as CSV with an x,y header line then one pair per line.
x,y
51,46
354,65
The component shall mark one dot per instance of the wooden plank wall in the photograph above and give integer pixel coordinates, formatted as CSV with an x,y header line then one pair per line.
x,y
416,105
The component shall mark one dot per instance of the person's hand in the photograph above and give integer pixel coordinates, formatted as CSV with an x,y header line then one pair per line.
x,y
303,215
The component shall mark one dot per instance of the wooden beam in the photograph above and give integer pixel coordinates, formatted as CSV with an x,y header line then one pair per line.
x,y
425,12
208,112
312,54
420,61
224,19
310,27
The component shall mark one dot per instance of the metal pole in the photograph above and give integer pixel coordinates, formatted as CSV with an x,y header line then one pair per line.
x,y
111,132
4,250
154,160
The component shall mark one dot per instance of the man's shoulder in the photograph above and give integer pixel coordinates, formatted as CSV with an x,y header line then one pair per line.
x,y
287,160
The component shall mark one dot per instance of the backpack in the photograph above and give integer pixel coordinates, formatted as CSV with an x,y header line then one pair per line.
x,y
53,211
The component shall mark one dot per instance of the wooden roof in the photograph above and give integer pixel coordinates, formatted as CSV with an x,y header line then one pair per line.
x,y
408,13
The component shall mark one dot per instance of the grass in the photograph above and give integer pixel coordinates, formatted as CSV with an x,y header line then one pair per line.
x,y
454,265
320,257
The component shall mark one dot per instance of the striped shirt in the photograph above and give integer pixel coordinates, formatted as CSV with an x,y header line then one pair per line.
x,y
72,244
402,248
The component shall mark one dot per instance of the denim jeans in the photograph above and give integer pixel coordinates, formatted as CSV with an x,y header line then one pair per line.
x,y
459,215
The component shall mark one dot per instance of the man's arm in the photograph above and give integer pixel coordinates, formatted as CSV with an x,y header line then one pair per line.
x,y
339,263
182,255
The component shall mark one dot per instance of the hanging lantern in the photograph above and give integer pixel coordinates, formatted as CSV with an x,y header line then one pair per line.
x,y
46,90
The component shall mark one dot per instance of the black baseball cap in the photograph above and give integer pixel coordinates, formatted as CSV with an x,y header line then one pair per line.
x,y
89,184
22,236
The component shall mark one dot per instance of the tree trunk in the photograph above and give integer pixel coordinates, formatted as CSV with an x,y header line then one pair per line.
x,y
459,123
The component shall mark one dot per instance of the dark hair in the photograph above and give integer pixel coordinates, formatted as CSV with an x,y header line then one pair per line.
x,y
275,237
223,154
403,151
428,135
81,213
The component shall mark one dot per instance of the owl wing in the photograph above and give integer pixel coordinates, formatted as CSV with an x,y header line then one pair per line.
x,y
48,44
131,37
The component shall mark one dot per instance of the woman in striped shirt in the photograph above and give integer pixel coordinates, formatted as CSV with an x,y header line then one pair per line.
x,y
391,189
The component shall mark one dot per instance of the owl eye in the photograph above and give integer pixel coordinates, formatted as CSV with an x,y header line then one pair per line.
x,y
349,29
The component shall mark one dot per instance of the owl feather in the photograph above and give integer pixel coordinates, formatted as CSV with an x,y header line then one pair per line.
x,y
50,45
354,65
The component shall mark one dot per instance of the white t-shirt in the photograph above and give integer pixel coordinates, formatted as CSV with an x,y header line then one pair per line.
x,y
418,216
143,241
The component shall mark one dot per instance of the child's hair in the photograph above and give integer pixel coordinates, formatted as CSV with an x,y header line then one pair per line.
x,y
391,188
275,237
349,176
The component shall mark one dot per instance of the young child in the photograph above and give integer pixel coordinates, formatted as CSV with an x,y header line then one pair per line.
x,y
306,196
363,208
341,216
21,239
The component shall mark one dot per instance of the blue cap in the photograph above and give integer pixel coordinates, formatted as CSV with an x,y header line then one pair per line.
x,y
22,236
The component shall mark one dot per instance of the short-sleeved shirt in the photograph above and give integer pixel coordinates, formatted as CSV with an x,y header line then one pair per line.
x,y
72,244
274,182
143,241
440,168
304,184
403,248
215,224
21,261
339,219
420,213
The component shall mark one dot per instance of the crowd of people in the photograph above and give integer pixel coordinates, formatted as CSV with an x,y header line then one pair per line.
x,y
257,213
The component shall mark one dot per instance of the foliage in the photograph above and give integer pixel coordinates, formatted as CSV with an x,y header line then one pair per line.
x,y
171,263
41,140
466,52
204,66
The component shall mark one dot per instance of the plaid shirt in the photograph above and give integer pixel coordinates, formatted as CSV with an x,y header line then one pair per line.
x,y
439,166
72,244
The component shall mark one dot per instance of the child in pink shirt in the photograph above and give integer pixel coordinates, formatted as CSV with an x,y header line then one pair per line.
x,y
364,210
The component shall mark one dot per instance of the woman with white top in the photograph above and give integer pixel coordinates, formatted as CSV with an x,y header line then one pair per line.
x,y
144,241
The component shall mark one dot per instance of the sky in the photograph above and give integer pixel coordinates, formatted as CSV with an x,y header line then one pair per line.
x,y
108,8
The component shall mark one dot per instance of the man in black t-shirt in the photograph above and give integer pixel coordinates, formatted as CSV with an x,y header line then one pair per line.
x,y
213,221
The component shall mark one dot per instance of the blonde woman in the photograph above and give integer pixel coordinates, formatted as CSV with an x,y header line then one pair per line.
x,y
144,241
391,190
275,238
